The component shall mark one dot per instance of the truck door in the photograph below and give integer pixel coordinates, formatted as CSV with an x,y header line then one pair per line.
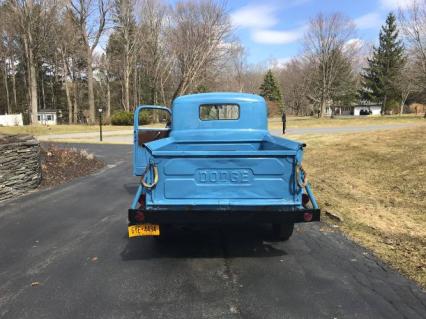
x,y
151,123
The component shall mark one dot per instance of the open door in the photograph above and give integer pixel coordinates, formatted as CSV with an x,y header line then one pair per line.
x,y
151,123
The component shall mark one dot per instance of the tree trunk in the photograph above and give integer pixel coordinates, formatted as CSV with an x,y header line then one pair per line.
x,y
69,103
322,107
67,89
135,87
75,102
123,104
384,104
15,102
108,101
126,86
32,80
92,115
26,79
403,100
33,85
43,97
179,89
52,89
6,86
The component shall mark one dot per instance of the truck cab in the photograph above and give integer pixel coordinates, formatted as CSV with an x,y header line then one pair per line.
x,y
216,162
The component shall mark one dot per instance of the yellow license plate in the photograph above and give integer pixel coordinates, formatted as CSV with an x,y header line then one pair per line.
x,y
144,230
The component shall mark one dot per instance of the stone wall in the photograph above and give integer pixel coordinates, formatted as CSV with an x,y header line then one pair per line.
x,y
20,166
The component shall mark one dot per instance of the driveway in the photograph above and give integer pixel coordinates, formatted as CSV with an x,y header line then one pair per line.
x,y
126,136
64,253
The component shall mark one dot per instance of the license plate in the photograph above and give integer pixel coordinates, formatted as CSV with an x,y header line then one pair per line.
x,y
144,230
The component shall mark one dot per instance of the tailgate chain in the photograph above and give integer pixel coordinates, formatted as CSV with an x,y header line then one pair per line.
x,y
299,173
155,172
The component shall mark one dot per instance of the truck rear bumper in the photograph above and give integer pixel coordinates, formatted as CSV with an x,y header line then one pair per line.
x,y
226,216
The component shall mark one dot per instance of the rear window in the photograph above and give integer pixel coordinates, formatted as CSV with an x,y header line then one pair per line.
x,y
211,112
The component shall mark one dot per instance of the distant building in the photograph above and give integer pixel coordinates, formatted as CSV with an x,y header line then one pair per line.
x,y
11,120
355,110
47,117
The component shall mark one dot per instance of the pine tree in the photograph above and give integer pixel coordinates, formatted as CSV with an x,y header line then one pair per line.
x,y
380,76
270,89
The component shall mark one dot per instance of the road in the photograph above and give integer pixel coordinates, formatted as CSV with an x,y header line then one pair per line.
x,y
64,253
126,137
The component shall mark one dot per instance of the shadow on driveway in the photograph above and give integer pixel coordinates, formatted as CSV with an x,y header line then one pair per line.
x,y
205,242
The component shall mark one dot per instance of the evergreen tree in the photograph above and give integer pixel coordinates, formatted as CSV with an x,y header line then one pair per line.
x,y
271,92
270,89
380,76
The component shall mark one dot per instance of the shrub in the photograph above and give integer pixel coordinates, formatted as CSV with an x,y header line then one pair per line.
x,y
126,118
144,118
122,118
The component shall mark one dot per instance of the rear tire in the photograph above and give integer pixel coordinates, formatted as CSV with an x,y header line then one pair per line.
x,y
282,232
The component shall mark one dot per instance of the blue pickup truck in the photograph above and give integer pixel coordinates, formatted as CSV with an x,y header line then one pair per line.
x,y
216,162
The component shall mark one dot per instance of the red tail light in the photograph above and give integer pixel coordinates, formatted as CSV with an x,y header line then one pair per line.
x,y
139,217
308,217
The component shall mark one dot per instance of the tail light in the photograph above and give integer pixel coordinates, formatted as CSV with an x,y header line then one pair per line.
x,y
308,217
139,217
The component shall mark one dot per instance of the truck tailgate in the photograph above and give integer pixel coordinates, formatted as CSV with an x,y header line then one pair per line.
x,y
225,178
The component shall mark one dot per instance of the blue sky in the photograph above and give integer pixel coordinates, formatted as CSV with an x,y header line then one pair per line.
x,y
272,29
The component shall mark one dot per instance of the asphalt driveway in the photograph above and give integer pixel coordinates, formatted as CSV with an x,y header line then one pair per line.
x,y
64,253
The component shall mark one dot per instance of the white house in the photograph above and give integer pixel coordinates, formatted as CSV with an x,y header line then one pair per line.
x,y
47,117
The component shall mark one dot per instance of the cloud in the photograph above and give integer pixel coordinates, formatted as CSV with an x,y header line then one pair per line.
x,y
262,16
395,4
369,20
280,63
255,16
354,44
278,36
261,19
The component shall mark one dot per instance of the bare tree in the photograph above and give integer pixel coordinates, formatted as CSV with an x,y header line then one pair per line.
x,y
324,48
126,28
294,79
406,82
90,16
413,23
238,59
27,16
154,50
4,56
67,40
104,81
9,50
200,27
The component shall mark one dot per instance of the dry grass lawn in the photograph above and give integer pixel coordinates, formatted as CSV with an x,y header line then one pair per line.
x,y
302,122
274,123
376,183
38,130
